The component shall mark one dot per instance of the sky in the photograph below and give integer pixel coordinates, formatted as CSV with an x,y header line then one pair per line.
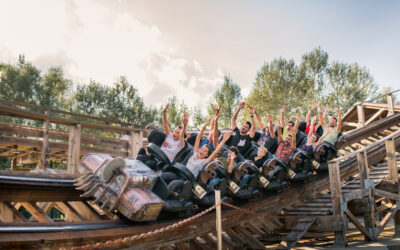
x,y
184,48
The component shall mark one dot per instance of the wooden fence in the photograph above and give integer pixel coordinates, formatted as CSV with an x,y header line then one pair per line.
x,y
71,138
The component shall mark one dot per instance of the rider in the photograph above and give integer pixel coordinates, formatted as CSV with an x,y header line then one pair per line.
x,y
242,138
172,144
288,146
331,130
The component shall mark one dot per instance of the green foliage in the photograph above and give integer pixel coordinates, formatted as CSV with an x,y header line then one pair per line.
x,y
197,118
281,82
175,111
229,96
5,163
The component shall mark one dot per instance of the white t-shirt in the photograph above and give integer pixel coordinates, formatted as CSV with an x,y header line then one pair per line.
x,y
171,147
195,165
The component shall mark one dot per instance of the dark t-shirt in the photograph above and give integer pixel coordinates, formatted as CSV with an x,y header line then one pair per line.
x,y
242,142
267,141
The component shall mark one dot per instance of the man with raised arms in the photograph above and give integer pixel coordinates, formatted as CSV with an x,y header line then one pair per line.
x,y
242,138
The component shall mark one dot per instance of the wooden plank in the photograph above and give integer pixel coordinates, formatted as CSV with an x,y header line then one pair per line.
x,y
358,225
252,241
375,116
135,142
334,180
361,116
45,144
252,227
357,194
235,237
389,195
85,210
36,212
391,160
196,244
5,213
228,242
390,105
387,218
69,211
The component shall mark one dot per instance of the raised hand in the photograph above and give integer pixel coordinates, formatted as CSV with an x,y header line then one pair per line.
x,y
241,105
327,109
314,105
251,110
314,120
278,124
207,122
298,117
166,107
227,135
269,117
283,109
185,119
338,111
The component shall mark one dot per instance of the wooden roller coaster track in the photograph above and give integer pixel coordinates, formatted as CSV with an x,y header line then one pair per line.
x,y
288,214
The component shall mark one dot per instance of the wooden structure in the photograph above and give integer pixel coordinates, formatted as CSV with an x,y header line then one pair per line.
x,y
69,139
288,215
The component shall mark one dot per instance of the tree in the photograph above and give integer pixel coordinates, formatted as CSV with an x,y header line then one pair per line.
x,y
197,117
54,90
19,82
229,96
282,82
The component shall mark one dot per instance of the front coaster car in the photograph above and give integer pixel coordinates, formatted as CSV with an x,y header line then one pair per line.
x,y
123,185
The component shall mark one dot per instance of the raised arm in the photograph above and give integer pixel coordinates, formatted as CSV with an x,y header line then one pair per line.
x,y
309,113
320,116
235,116
253,123
215,136
165,120
296,127
260,124
312,126
185,120
339,122
283,110
216,151
231,162
278,128
271,127
199,135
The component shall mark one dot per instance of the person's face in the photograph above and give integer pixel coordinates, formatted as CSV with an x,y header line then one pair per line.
x,y
245,128
176,133
261,152
203,152
288,140
289,125
332,123
313,138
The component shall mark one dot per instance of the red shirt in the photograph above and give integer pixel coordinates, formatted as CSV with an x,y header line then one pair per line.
x,y
284,152
307,131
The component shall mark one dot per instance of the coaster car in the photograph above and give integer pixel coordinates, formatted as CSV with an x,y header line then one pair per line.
x,y
176,193
242,182
123,185
204,185
302,164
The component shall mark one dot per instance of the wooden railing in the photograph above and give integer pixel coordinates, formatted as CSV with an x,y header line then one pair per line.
x,y
71,139
367,191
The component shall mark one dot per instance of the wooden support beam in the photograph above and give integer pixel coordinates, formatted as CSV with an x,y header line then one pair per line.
x,y
391,159
85,210
390,104
36,212
356,194
45,144
369,216
361,116
196,244
336,193
387,218
235,237
252,241
358,225
375,116
70,212
135,142
74,148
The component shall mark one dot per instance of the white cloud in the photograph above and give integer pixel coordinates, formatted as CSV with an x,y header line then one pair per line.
x,y
91,41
